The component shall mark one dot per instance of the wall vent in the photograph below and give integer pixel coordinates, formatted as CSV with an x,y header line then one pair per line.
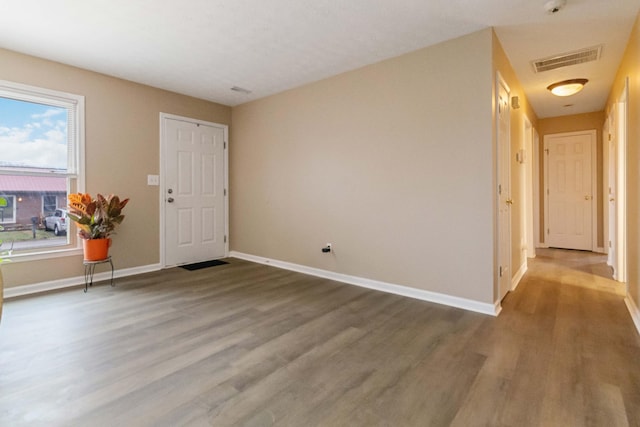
x,y
566,59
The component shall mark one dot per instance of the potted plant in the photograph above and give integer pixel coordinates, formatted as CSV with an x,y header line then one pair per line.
x,y
96,219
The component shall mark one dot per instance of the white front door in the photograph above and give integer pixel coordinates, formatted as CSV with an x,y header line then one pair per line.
x,y
504,190
194,191
570,192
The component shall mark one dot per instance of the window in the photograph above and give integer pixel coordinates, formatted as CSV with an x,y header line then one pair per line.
x,y
7,209
49,203
42,145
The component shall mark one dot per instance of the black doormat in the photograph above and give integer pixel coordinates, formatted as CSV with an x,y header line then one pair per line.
x,y
204,264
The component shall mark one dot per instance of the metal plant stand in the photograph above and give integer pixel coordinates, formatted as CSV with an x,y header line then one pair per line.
x,y
89,269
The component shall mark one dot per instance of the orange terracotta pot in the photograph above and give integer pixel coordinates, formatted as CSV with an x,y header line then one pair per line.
x,y
96,249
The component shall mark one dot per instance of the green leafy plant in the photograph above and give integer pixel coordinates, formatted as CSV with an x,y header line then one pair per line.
x,y
96,218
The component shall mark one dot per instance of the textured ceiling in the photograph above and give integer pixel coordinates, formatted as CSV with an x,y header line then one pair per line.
x,y
203,48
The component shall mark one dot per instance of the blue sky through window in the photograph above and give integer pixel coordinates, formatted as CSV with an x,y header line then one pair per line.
x,y
32,135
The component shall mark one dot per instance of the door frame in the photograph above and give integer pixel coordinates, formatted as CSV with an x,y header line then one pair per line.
x,y
528,190
594,183
621,187
606,168
162,187
502,147
620,129
536,188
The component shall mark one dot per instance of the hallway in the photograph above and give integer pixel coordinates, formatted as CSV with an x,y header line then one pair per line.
x,y
576,346
578,268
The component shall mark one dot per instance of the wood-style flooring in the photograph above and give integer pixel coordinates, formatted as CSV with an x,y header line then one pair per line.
x,y
251,345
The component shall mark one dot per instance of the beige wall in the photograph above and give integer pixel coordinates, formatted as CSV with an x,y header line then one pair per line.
x,y
122,147
518,170
629,68
392,163
574,123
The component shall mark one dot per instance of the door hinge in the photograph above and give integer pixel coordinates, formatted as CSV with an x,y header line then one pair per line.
x,y
225,191
609,137
225,238
546,150
548,232
225,145
499,188
609,243
500,271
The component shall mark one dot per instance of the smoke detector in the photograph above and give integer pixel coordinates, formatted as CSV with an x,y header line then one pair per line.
x,y
554,6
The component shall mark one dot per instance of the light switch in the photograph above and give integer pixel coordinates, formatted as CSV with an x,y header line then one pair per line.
x,y
153,180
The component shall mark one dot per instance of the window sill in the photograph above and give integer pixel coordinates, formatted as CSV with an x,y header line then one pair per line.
x,y
50,254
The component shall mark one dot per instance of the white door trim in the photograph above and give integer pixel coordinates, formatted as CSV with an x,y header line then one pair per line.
x,y
594,183
500,145
621,125
162,187
606,142
528,184
536,188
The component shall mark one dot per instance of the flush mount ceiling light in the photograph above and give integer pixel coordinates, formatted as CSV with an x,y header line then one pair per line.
x,y
567,87
554,6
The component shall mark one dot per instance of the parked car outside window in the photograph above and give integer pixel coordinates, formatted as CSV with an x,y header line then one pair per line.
x,y
57,222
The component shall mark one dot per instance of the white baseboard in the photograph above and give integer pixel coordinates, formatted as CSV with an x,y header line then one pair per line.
x,y
75,281
452,301
633,311
515,280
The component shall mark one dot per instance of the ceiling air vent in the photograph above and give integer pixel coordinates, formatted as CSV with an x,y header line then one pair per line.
x,y
572,58
241,90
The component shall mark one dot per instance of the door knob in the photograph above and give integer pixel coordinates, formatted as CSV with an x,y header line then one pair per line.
x,y
612,199
509,202
587,197
170,200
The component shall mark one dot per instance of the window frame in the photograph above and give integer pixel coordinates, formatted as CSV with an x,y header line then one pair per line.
x,y
13,205
75,173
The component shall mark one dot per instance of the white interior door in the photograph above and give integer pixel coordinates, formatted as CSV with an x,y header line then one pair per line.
x,y
536,190
619,202
611,198
570,191
528,210
504,192
194,191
